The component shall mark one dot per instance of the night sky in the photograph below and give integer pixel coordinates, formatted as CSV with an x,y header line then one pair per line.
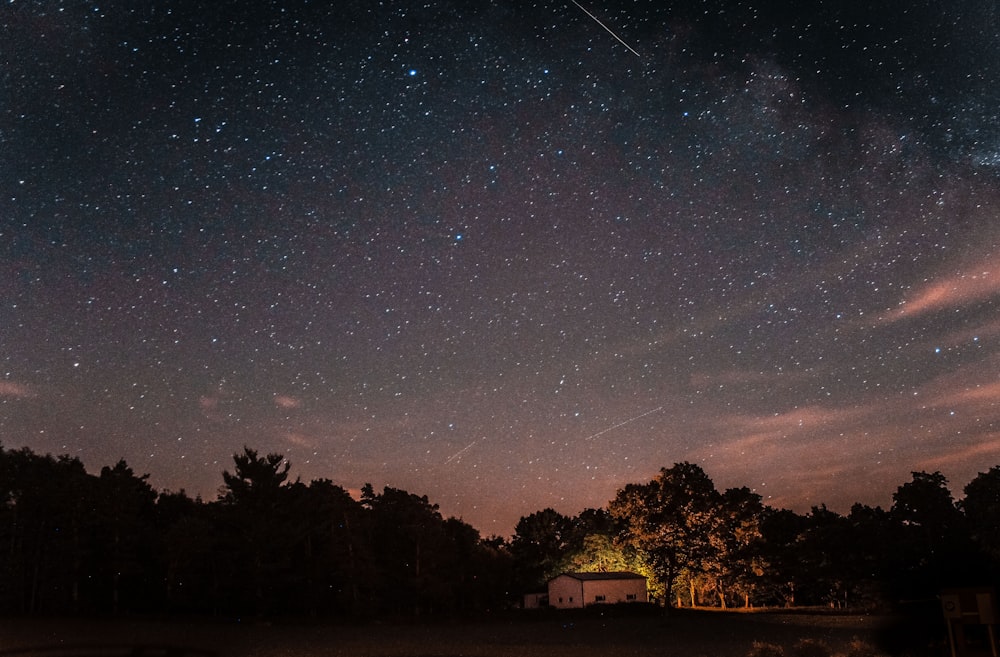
x,y
507,256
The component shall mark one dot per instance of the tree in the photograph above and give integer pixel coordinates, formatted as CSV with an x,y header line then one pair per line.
x,y
781,532
981,506
194,553
124,511
47,532
331,563
669,520
868,565
735,565
934,541
539,547
253,502
257,480
825,549
408,539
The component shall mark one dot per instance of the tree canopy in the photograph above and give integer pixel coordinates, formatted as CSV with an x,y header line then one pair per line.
x,y
74,542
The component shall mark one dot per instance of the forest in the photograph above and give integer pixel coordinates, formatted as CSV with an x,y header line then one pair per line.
x,y
269,545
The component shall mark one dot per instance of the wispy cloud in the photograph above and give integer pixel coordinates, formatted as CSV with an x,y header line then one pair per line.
x,y
719,379
16,390
827,453
986,450
954,291
299,439
287,402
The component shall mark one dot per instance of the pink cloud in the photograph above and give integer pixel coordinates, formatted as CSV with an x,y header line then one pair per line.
x,y
16,390
988,393
985,450
298,439
950,292
287,402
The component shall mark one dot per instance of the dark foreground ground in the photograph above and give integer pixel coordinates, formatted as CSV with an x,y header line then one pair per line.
x,y
543,634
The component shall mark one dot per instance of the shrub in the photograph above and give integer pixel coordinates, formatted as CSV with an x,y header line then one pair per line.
x,y
762,649
859,648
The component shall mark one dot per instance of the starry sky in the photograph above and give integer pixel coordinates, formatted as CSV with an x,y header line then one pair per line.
x,y
507,255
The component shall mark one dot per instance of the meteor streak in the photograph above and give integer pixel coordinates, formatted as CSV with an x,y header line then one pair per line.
x,y
460,452
598,21
620,424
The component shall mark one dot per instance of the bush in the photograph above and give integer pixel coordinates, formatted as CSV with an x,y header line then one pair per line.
x,y
762,649
811,648
859,648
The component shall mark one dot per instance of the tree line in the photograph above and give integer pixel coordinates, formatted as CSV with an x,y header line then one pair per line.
x,y
77,543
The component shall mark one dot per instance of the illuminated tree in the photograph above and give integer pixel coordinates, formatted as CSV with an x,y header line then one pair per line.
x,y
735,564
669,520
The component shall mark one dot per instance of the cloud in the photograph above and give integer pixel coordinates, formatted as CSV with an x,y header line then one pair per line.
x,y
987,394
299,440
986,450
706,379
962,289
287,402
16,390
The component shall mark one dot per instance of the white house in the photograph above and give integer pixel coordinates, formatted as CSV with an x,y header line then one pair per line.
x,y
583,589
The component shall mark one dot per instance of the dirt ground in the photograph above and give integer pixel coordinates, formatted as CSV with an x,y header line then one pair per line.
x,y
527,634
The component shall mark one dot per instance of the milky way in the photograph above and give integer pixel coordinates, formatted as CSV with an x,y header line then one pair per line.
x,y
466,249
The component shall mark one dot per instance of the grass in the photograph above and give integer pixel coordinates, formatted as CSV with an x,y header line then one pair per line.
x,y
604,633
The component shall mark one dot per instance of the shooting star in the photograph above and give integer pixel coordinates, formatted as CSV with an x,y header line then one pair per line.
x,y
460,452
598,21
620,424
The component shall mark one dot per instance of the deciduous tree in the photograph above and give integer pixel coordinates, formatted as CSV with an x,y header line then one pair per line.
x,y
669,520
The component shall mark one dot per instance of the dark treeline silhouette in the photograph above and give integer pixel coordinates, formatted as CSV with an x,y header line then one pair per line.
x,y
71,542
76,543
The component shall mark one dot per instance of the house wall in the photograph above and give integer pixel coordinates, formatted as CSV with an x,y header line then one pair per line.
x,y
613,591
565,592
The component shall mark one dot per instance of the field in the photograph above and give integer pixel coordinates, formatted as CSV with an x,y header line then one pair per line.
x,y
606,634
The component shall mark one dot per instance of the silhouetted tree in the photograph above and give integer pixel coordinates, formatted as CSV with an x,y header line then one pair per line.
x,y
824,549
934,545
47,531
981,506
123,509
869,562
782,530
539,547
194,554
407,538
330,563
477,571
254,520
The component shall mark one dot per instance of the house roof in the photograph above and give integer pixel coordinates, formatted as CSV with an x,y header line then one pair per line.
x,y
602,576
